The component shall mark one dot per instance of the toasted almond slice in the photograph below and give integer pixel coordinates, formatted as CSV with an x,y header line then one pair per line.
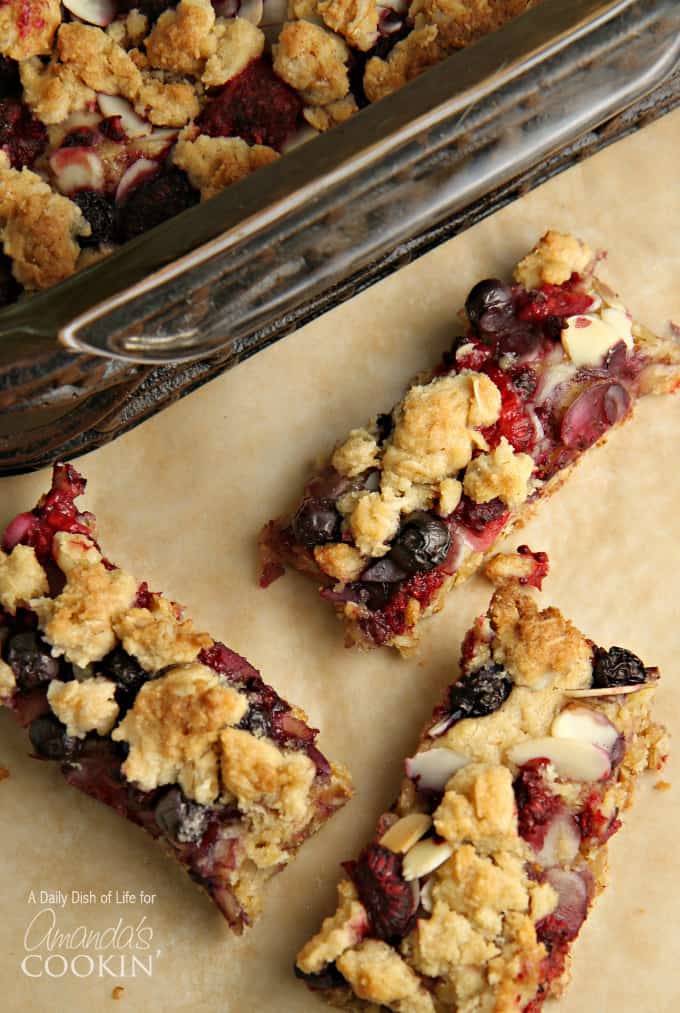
x,y
573,759
607,691
406,832
432,768
425,857
426,894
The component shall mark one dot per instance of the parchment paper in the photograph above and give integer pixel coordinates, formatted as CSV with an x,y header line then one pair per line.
x,y
180,501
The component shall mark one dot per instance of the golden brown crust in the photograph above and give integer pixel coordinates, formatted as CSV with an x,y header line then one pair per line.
x,y
27,30
213,163
159,635
313,61
38,228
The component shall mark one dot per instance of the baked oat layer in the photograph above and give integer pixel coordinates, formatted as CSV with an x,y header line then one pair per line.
x,y
482,873
116,115
151,716
410,505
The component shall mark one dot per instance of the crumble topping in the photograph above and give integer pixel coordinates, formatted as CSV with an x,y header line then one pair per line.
x,y
374,521
27,29
78,623
506,566
313,61
501,473
166,103
358,453
530,643
339,560
158,636
38,228
450,491
337,933
377,973
21,578
211,163
130,31
237,41
98,60
87,706
553,260
355,20
479,806
445,941
181,39
7,681
460,22
433,434
409,58
173,729
324,117
257,771
54,90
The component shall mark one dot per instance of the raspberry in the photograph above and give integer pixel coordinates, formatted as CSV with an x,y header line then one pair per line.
x,y
255,105
477,516
592,822
387,897
21,135
540,571
565,300
390,619
536,805
514,423
154,201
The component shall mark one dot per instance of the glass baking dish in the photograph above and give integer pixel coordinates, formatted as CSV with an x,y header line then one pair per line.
x,y
227,278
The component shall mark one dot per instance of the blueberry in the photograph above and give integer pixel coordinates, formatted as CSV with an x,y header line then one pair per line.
x,y
616,667
316,522
31,661
422,543
476,516
480,692
154,201
488,304
179,819
50,741
99,213
124,669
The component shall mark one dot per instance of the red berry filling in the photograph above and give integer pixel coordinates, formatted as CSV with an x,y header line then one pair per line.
x,y
56,511
566,300
592,822
255,105
389,900
21,135
541,566
391,620
536,804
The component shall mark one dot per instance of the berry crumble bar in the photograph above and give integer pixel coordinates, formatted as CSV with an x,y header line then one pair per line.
x,y
145,713
410,505
481,874
116,115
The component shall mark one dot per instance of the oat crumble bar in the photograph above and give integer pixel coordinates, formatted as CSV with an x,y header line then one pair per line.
x,y
482,873
116,115
151,716
411,505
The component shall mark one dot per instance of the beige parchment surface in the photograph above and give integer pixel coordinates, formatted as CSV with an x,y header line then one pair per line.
x,y
180,501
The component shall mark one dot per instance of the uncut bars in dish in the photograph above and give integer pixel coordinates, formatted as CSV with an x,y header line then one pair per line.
x,y
411,505
149,715
480,876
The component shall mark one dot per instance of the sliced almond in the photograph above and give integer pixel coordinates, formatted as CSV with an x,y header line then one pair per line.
x,y
606,691
425,857
586,724
115,105
94,12
572,758
406,832
432,768
426,894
